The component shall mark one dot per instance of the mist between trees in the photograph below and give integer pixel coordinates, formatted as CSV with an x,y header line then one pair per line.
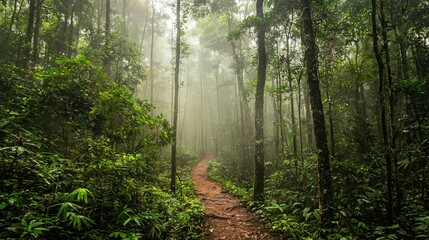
x,y
317,113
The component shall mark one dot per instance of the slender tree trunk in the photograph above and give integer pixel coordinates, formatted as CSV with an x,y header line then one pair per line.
x,y
359,102
276,129
152,45
12,20
326,203
218,146
244,112
18,14
280,114
176,99
36,32
383,112
258,189
308,125
330,97
292,107
201,104
145,26
19,57
70,37
78,27
186,104
301,145
29,35
100,9
392,112
106,62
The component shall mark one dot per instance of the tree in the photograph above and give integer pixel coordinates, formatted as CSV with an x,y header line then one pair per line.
x,y
29,35
258,187
37,26
176,99
326,204
106,60
382,106
152,45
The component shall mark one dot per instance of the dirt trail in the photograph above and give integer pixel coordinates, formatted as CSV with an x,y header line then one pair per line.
x,y
225,217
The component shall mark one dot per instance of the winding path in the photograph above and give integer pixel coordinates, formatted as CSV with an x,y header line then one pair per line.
x,y
225,217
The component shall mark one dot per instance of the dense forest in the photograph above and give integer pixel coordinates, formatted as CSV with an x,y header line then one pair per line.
x,y
316,113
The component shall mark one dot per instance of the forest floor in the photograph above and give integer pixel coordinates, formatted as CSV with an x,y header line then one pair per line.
x,y
225,218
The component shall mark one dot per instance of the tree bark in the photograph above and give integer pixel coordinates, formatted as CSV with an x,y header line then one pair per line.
x,y
12,20
392,112
258,188
70,37
326,204
218,145
145,27
106,61
152,45
29,35
301,145
176,100
37,31
292,107
242,93
274,92
382,112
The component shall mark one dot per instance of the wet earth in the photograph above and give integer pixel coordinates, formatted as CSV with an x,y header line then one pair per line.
x,y
225,218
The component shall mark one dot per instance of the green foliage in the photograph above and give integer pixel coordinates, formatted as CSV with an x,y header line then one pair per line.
x,y
128,71
80,159
26,229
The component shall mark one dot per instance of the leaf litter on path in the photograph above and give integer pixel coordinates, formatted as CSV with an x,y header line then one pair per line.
x,y
225,217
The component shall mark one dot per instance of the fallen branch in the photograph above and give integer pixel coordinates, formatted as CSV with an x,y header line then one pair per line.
x,y
232,208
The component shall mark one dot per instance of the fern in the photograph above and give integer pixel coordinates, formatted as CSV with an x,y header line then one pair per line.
x,y
81,195
77,221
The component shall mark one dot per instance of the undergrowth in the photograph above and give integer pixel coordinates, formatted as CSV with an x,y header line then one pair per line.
x,y
290,208
82,159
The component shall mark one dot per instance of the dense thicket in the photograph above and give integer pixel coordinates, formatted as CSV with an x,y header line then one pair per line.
x,y
80,156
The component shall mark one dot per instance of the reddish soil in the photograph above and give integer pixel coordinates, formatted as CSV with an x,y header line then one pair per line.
x,y
225,217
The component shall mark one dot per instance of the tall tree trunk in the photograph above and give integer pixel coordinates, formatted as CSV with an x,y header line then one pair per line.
x,y
292,107
244,109
145,26
187,84
258,188
29,35
383,112
12,20
70,37
308,125
392,112
359,102
152,45
276,129
176,100
301,145
326,204
218,145
201,103
78,27
106,61
37,31
280,114
100,9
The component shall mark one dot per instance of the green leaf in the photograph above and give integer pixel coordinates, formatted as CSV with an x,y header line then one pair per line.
x,y
81,195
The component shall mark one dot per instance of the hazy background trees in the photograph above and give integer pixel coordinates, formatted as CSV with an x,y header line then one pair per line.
x,y
373,81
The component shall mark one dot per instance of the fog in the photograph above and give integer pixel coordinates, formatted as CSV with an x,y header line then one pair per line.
x,y
216,104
